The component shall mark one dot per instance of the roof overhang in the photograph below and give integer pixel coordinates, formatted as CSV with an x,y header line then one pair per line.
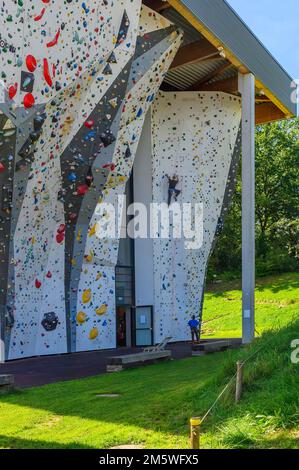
x,y
223,29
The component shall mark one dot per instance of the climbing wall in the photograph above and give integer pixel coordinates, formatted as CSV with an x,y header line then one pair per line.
x,y
76,82
197,137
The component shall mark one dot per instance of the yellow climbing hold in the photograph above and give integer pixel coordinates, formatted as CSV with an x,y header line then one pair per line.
x,y
102,309
79,235
81,317
94,333
99,275
89,257
93,230
86,296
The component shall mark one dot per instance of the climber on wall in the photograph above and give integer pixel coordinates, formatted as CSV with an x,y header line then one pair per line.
x,y
172,191
194,328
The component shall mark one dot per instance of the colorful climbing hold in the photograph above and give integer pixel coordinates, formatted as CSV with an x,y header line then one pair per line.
x,y
46,73
39,17
81,317
12,91
102,310
82,189
55,40
86,296
31,63
94,333
28,100
89,124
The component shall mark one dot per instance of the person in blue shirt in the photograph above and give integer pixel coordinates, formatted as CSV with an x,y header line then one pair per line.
x,y
194,326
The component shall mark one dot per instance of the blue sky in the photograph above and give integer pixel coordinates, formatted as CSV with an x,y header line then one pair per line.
x,y
276,24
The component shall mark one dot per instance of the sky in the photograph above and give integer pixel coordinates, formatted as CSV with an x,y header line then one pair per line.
x,y
276,24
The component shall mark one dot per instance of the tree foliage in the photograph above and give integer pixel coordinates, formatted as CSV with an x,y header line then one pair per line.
x,y
277,205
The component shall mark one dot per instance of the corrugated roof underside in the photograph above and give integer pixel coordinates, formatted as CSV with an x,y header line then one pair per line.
x,y
187,75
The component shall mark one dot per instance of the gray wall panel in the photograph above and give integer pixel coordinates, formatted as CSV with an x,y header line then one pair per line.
x,y
226,25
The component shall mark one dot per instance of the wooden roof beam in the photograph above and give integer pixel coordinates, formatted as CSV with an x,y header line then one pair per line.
x,y
156,5
194,52
267,112
228,85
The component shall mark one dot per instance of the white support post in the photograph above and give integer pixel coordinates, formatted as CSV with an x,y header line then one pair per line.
x,y
247,89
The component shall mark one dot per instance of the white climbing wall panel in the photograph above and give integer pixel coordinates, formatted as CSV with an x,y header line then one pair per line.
x,y
195,136
77,79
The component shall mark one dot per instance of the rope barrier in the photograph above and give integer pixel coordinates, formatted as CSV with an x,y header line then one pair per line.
x,y
218,398
233,378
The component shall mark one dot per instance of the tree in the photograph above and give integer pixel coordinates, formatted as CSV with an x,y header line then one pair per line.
x,y
277,201
277,172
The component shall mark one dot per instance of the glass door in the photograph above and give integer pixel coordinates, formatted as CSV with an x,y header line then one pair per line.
x,y
144,326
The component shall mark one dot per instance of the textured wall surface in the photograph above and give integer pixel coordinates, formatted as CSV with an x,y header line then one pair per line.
x,y
197,137
76,82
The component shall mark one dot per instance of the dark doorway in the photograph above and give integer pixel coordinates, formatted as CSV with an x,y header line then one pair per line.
x,y
121,326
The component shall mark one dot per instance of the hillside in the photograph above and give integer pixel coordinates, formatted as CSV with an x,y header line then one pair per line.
x,y
156,402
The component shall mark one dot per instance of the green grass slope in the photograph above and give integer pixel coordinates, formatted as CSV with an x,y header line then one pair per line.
x,y
277,302
156,402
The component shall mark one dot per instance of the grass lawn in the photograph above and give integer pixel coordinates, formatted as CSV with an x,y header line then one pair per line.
x,y
156,402
276,297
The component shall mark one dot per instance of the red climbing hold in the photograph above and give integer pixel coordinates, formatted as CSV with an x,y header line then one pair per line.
x,y
82,189
12,91
31,63
49,275
72,216
60,237
61,228
55,40
2,167
109,166
47,75
39,17
28,100
89,124
37,283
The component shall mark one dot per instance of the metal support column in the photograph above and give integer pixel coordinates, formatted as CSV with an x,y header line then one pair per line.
x,y
247,88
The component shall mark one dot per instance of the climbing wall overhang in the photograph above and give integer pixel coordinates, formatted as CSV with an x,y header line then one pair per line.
x,y
76,82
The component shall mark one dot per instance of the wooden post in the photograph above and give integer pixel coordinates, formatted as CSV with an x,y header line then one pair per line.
x,y
195,432
239,381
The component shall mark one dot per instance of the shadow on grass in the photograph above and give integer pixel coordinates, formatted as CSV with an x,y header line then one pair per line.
x,y
11,442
